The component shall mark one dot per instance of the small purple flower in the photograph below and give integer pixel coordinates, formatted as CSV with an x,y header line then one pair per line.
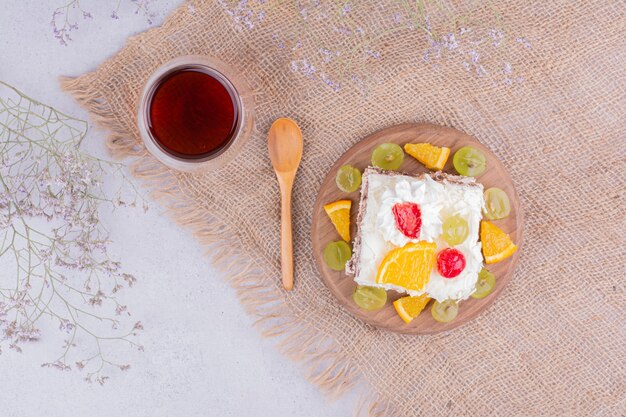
x,y
524,42
347,8
449,41
496,36
304,12
335,86
326,54
342,30
372,53
303,66
474,56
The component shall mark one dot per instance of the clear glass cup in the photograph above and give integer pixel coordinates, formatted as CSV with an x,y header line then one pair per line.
x,y
243,100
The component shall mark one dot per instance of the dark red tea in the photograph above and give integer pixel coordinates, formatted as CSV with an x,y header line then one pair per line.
x,y
193,114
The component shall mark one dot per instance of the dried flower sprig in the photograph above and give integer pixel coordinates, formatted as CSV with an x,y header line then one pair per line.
x,y
450,37
54,262
65,18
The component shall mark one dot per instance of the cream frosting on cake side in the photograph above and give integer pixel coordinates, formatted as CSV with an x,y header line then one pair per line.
x,y
437,199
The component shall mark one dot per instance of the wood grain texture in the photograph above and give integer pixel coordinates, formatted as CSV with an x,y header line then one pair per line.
x,y
323,232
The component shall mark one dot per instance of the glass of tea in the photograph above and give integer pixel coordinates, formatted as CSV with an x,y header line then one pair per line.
x,y
195,113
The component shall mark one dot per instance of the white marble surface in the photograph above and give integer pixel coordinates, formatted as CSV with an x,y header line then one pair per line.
x,y
202,356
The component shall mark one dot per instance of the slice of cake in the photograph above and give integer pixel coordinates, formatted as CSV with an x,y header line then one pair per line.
x,y
398,209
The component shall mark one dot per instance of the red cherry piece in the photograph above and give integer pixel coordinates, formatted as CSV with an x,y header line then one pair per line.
x,y
450,262
408,219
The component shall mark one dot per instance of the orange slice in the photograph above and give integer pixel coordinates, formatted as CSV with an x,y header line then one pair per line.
x,y
433,157
410,307
497,245
409,266
339,213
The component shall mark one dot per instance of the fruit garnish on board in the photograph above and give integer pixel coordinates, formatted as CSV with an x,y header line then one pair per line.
x,y
369,298
388,156
339,214
409,266
446,311
348,178
485,284
470,162
497,205
433,157
336,254
408,217
496,244
409,308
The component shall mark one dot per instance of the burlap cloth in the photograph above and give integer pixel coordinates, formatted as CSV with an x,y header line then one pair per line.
x,y
554,342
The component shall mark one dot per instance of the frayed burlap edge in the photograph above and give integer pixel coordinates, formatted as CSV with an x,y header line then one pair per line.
x,y
323,364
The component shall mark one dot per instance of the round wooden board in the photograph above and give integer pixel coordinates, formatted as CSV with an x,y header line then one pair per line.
x,y
323,232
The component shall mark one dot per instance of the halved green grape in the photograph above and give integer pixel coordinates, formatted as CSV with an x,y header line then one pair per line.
x,y
348,178
336,254
455,230
497,204
388,156
445,311
369,298
485,284
469,161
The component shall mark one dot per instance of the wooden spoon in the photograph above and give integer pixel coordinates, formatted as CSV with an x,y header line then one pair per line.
x,y
285,147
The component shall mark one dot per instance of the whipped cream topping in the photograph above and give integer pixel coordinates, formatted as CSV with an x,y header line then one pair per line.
x,y
425,194
437,201
466,202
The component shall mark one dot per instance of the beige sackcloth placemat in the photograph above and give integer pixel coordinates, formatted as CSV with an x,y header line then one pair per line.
x,y
548,97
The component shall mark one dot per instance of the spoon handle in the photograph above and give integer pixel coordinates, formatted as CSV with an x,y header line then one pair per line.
x,y
286,239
